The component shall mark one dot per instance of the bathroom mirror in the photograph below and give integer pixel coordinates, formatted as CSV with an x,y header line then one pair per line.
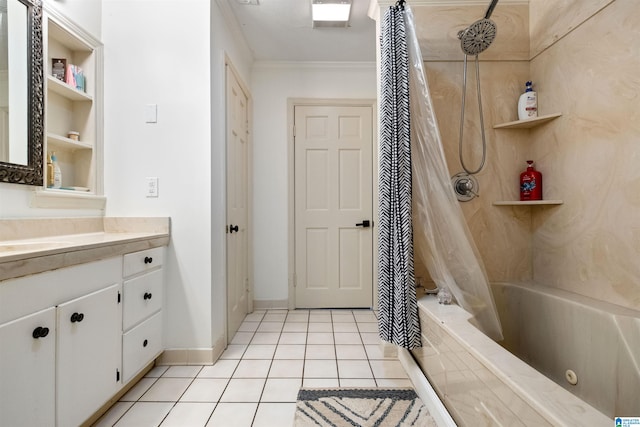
x,y
21,92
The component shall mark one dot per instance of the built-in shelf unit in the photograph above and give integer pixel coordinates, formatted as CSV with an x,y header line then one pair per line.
x,y
528,124
527,202
70,109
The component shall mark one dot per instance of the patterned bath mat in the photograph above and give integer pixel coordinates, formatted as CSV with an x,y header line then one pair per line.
x,y
361,407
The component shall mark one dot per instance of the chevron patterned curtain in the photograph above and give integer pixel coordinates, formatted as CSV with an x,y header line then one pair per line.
x,y
398,310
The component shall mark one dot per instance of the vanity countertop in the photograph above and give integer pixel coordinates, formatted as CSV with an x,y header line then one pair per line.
x,y
29,246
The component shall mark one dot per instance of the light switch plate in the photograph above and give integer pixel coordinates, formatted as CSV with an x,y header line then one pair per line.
x,y
152,186
151,113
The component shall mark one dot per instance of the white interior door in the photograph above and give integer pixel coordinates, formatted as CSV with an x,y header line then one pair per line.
x,y
237,196
333,206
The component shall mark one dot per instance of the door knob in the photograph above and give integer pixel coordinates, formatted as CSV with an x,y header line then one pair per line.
x,y
233,228
364,224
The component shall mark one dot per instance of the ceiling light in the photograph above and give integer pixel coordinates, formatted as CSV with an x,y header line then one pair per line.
x,y
328,10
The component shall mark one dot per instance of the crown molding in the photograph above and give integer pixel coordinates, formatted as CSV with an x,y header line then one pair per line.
x,y
232,22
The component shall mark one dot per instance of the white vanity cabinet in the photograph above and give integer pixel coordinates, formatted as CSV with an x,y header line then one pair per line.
x,y
60,344
27,370
142,316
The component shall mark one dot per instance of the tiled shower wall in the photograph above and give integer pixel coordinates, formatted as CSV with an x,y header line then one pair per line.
x,y
591,245
583,56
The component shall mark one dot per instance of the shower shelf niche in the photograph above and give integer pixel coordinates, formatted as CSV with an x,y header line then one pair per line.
x,y
527,202
528,123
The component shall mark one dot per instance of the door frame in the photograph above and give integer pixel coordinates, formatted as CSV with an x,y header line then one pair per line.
x,y
229,67
291,230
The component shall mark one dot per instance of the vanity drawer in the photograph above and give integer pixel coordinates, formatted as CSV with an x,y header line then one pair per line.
x,y
142,297
141,345
137,262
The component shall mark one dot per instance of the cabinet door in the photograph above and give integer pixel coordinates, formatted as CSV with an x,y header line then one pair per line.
x,y
88,354
27,370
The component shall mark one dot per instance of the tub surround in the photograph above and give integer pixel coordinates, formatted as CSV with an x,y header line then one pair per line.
x,y
483,384
29,246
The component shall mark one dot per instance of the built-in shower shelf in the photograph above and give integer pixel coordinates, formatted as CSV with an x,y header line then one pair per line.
x,y
527,202
528,123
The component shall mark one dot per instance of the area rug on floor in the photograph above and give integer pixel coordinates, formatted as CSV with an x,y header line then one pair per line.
x,y
363,407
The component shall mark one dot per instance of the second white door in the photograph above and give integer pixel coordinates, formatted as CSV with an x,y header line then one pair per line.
x,y
333,206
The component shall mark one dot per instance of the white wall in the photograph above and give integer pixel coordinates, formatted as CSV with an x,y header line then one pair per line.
x,y
14,199
170,53
272,85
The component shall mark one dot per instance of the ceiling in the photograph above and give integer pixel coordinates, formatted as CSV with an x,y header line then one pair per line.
x,y
281,30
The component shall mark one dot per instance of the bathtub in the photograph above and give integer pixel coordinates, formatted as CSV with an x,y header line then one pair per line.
x,y
481,383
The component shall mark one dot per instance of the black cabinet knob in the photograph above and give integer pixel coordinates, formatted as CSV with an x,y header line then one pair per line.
x,y
148,260
233,228
77,317
144,343
40,332
147,295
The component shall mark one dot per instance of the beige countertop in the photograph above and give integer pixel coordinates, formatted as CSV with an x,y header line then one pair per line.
x,y
29,246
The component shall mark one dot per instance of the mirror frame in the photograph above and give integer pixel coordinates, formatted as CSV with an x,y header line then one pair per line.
x,y
31,174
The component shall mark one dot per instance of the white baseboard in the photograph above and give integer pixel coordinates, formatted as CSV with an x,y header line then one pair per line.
x,y
270,304
192,356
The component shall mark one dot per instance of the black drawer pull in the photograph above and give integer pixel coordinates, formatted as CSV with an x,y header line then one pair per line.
x,y
40,332
144,343
148,260
147,295
77,317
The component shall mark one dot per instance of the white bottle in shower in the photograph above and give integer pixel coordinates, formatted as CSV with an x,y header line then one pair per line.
x,y
528,103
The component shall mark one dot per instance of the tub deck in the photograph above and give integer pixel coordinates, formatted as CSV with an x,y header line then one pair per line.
x,y
482,384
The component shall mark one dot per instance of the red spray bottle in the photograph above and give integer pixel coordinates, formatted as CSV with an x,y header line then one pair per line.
x,y
530,183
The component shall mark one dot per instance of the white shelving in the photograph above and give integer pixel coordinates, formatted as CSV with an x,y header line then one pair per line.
x,y
528,123
70,109
528,203
66,91
62,142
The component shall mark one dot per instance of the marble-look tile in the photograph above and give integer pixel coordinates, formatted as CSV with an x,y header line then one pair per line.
x,y
166,390
267,413
145,414
437,29
246,390
233,414
189,414
113,414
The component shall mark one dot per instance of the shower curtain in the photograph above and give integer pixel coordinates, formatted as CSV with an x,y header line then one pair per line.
x,y
398,309
436,226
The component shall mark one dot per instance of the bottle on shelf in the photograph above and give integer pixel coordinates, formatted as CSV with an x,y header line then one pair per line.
x,y
530,183
49,172
528,103
57,173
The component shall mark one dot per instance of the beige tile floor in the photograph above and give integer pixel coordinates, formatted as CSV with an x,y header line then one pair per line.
x,y
256,380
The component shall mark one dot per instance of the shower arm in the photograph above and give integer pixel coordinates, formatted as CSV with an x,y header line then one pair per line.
x,y
490,9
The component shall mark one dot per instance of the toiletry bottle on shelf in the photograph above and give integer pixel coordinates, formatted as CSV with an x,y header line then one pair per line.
x,y
530,183
49,172
528,103
57,173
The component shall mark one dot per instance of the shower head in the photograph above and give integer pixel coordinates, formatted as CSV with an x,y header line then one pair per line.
x,y
477,37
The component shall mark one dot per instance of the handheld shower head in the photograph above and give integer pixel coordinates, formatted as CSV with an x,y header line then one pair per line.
x,y
477,37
